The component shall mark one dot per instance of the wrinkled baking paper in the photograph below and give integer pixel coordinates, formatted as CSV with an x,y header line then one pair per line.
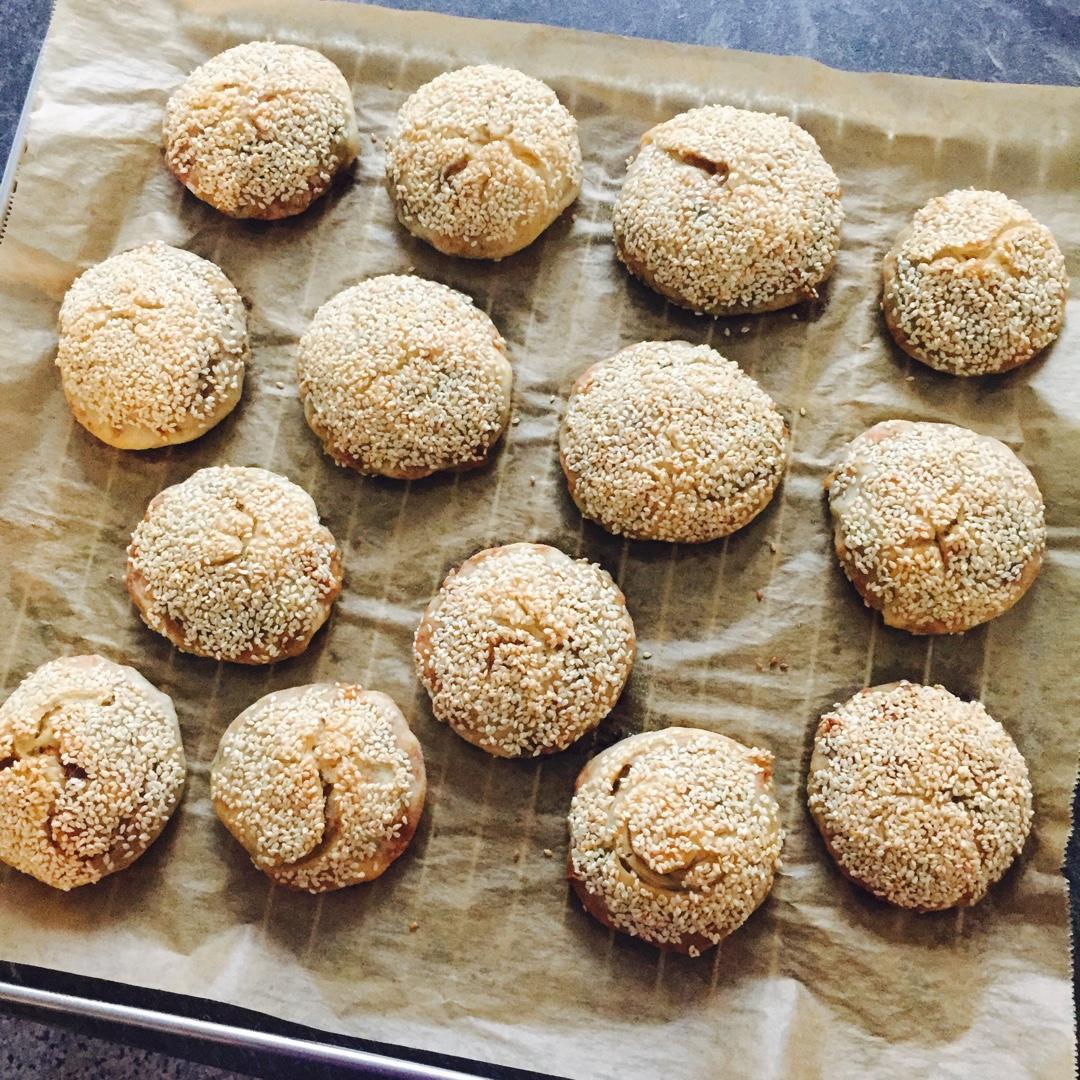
x,y
504,966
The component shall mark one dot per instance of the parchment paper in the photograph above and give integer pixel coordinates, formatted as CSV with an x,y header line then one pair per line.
x,y
823,981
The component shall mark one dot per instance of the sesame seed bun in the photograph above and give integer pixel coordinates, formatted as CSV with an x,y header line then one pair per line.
x,y
675,837
482,160
937,527
922,799
405,377
91,769
523,650
260,130
233,564
153,344
729,212
975,285
670,441
323,784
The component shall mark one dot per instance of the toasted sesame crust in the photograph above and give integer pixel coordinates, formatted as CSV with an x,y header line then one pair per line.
x,y
523,650
91,769
404,377
936,526
322,784
922,799
152,349
670,441
675,836
729,212
233,564
482,160
260,130
975,285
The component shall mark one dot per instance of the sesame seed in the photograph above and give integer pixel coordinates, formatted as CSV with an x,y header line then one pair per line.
x,y
523,650
975,285
548,853
802,411
233,564
152,347
280,385
413,927
694,458
322,784
646,656
759,595
404,377
482,160
675,836
260,129
91,769
938,527
922,799
727,211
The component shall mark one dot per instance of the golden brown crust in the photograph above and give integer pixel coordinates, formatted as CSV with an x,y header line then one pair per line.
x,y
404,377
645,275
729,212
323,785
974,285
91,769
533,654
938,528
895,326
921,799
242,550
674,837
481,161
700,451
284,647
597,907
260,130
152,347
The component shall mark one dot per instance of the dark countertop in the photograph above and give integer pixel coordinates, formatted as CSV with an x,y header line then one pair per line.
x,y
1035,41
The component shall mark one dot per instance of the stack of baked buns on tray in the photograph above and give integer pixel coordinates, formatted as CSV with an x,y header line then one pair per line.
x,y
675,835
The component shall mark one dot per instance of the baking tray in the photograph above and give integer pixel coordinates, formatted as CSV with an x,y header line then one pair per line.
x,y
101,1000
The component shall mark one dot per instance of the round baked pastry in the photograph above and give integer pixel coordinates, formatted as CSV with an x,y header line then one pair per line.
x,y
482,160
91,769
404,377
675,836
153,344
233,564
322,784
921,798
728,212
939,528
260,130
670,441
974,285
523,650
